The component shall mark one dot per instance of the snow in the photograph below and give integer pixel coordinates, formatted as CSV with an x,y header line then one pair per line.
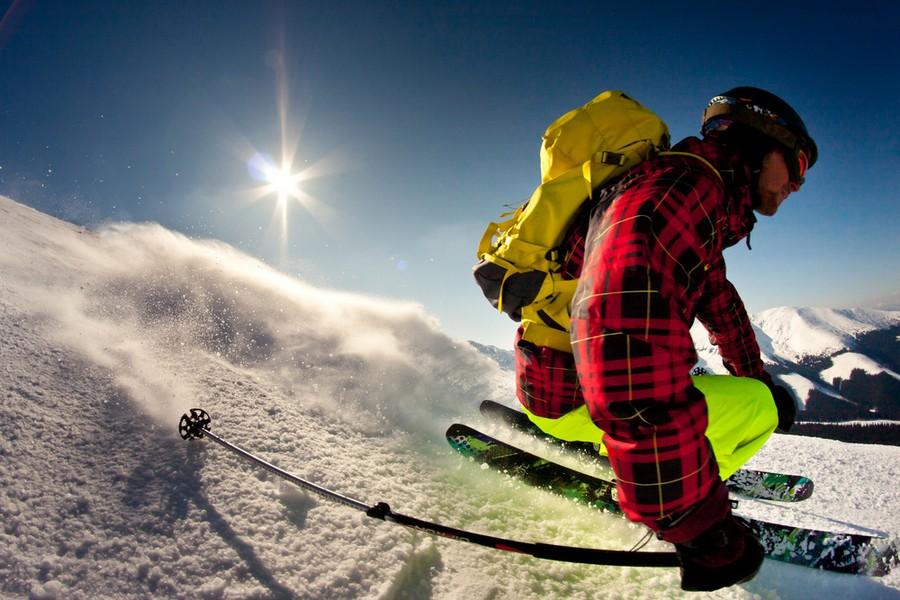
x,y
844,364
802,386
708,357
799,332
858,422
787,336
108,336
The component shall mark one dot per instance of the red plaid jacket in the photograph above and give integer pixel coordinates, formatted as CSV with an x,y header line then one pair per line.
x,y
649,264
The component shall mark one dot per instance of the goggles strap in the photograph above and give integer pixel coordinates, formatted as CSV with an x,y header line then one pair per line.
x,y
747,116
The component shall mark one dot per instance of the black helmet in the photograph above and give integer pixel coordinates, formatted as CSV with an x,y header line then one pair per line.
x,y
765,113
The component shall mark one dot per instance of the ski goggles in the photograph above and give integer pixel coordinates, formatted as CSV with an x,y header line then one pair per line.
x,y
798,165
798,154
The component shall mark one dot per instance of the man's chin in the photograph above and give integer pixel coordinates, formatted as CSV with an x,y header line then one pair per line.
x,y
766,207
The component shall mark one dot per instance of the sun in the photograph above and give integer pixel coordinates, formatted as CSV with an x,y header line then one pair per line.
x,y
288,185
285,177
279,181
282,183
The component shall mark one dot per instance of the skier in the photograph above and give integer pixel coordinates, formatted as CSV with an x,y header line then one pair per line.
x,y
649,263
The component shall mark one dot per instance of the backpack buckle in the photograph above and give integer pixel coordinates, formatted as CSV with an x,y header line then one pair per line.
x,y
612,158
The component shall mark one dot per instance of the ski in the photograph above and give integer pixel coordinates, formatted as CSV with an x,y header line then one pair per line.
x,y
839,552
765,485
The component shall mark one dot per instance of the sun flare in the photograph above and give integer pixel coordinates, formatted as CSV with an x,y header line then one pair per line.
x,y
282,183
283,176
279,181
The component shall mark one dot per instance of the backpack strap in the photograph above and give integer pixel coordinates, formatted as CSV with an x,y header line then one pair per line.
x,y
698,157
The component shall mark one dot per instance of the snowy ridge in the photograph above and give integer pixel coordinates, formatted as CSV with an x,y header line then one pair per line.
x,y
108,335
803,386
796,333
789,337
844,364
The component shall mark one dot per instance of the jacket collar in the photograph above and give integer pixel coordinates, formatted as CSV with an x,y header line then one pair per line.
x,y
738,202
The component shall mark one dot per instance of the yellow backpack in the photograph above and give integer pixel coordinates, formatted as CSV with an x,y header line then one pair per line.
x,y
519,258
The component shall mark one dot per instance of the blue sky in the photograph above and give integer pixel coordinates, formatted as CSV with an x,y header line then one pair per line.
x,y
422,122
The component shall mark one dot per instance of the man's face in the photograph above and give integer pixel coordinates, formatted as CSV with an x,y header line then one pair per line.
x,y
774,184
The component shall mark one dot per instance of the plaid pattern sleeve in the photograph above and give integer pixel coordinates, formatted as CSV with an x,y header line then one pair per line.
x,y
723,314
647,259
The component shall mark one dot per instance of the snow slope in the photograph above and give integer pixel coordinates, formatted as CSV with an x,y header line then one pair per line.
x,y
803,386
844,364
788,337
799,332
109,335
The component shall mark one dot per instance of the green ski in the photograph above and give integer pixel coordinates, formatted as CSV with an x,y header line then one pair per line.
x,y
765,485
839,552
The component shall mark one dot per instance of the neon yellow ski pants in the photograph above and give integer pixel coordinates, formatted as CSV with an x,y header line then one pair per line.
x,y
740,410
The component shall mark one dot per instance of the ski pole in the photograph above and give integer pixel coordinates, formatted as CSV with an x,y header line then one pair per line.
x,y
195,425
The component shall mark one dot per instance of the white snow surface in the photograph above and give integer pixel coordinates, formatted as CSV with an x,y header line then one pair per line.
x,y
708,355
844,364
803,386
108,336
795,333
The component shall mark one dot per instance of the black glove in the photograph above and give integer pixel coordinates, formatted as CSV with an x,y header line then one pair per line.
x,y
714,548
787,408
726,554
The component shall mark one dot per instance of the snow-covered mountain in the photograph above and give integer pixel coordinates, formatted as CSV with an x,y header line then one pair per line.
x,y
829,357
108,336
505,359
795,334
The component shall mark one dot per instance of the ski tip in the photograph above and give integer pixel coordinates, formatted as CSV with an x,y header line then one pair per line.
x,y
468,441
459,429
799,488
884,557
804,490
487,407
506,414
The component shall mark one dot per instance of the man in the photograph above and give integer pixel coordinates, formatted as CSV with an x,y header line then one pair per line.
x,y
650,261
